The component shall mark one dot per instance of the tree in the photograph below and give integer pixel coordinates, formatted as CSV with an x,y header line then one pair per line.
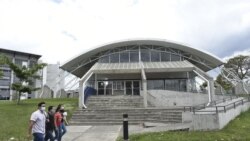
x,y
240,65
225,84
2,62
26,76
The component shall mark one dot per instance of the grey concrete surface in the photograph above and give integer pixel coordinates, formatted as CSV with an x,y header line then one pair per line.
x,y
208,119
91,133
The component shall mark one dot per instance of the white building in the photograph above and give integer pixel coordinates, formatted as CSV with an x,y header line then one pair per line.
x,y
54,77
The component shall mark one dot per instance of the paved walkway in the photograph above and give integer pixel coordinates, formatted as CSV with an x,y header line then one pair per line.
x,y
110,133
92,133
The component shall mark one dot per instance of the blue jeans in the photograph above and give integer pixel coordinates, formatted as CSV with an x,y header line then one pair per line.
x,y
38,137
49,136
64,130
58,132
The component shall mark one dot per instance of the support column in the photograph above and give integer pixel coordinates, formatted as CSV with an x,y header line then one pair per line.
x,y
212,91
82,85
144,87
81,93
210,83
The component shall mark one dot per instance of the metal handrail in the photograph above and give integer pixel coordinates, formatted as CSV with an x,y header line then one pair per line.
x,y
217,108
192,108
228,106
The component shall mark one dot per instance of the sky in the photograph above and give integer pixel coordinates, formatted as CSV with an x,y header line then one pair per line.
x,y
61,29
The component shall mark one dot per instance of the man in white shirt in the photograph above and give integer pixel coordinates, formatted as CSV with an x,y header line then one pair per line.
x,y
37,123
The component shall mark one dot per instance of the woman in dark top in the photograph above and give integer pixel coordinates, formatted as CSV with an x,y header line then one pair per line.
x,y
50,124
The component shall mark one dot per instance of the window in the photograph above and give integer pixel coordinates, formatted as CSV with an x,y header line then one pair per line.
x,y
165,56
183,85
175,57
172,85
114,58
124,57
134,56
155,84
155,56
145,56
104,59
118,85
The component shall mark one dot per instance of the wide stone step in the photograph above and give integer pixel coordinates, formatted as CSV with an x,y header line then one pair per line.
x,y
129,113
130,116
131,110
129,120
114,101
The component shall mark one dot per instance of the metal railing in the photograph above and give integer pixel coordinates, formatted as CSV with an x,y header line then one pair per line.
x,y
217,109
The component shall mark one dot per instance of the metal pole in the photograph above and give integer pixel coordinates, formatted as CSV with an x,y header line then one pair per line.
x,y
125,127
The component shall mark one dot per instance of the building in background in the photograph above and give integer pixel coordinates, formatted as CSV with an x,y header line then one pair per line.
x,y
21,59
54,79
152,69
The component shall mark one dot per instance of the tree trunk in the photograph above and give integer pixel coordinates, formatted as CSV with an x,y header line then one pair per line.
x,y
18,98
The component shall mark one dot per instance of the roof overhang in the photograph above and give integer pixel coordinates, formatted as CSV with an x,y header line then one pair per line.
x,y
112,68
74,65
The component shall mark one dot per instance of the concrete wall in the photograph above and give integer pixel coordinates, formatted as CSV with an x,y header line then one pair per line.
x,y
215,121
161,98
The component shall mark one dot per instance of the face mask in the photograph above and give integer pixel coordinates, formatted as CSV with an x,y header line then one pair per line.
x,y
52,111
43,108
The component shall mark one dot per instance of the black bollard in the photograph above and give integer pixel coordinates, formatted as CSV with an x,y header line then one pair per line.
x,y
125,127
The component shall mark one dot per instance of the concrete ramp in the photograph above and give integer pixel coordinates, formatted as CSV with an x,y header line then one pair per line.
x,y
218,116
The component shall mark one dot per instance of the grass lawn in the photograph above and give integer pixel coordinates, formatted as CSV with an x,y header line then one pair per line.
x,y
15,118
236,130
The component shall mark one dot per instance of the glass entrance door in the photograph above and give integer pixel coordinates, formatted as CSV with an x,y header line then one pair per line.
x,y
132,87
136,88
105,88
101,88
128,86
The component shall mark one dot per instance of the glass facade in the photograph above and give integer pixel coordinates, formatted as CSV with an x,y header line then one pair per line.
x,y
133,87
168,84
147,55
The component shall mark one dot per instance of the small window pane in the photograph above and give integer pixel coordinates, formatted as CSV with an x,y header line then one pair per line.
x,y
172,85
104,59
145,56
134,56
155,84
165,56
183,85
175,57
155,56
124,57
114,58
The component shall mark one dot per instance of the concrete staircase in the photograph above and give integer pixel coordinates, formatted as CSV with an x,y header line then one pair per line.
x,y
108,110
97,102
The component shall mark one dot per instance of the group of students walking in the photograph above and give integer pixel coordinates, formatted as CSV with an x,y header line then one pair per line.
x,y
48,126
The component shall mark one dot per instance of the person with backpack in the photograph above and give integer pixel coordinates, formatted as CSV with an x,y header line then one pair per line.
x,y
50,124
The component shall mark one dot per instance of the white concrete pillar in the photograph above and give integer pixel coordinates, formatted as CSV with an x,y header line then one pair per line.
x,y
144,87
81,93
212,90
145,98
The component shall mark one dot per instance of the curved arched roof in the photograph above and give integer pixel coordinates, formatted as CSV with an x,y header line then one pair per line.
x,y
74,65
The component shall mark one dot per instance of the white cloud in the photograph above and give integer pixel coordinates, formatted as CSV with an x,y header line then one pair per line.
x,y
60,29
244,52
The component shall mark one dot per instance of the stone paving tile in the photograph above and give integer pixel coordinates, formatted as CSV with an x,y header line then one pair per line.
x,y
91,133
